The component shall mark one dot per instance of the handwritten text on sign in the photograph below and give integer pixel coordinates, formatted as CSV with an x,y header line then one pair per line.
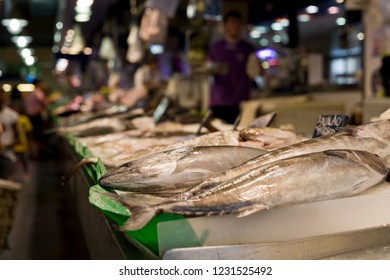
x,y
329,124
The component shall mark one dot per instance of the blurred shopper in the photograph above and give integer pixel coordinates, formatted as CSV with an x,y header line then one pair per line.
x,y
9,137
147,81
34,104
22,147
227,60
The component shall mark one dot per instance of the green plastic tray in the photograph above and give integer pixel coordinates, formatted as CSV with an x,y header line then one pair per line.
x,y
147,236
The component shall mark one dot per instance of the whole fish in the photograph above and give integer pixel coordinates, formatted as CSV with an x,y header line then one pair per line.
x,y
94,127
230,138
307,178
270,138
372,137
174,171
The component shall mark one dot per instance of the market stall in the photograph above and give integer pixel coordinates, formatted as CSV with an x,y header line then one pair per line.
x,y
328,228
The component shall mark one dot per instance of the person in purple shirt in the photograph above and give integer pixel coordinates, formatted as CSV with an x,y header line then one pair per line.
x,y
228,60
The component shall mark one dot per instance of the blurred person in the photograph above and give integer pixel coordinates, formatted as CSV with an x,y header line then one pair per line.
x,y
227,60
35,109
9,137
22,147
147,81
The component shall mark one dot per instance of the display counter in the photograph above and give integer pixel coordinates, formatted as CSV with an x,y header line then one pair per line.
x,y
351,228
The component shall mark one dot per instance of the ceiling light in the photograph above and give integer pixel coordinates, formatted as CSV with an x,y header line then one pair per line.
x,y
57,37
82,17
30,60
264,42
277,38
360,36
64,50
84,3
255,34
284,22
14,25
59,25
333,10
340,1
262,29
303,18
26,52
25,87
7,87
341,21
21,41
62,64
276,26
87,51
311,9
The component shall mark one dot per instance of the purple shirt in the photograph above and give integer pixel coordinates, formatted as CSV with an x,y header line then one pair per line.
x,y
233,87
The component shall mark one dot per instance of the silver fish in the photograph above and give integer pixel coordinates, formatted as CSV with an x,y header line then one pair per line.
x,y
171,172
94,127
307,178
230,138
269,137
372,137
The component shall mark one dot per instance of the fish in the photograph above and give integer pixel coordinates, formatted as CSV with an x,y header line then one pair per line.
x,y
270,138
372,137
219,138
171,172
330,174
94,127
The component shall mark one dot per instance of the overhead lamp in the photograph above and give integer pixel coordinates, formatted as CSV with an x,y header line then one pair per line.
x,y
303,18
21,41
284,22
25,87
30,60
83,10
311,9
14,25
59,25
7,87
26,52
82,17
263,42
255,34
277,38
277,26
62,64
341,21
333,10
88,51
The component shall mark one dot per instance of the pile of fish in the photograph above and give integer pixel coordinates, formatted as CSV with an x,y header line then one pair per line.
x,y
264,139
344,164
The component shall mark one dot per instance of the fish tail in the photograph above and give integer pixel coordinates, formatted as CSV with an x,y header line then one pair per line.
x,y
140,214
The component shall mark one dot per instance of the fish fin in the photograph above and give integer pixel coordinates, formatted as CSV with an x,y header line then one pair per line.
x,y
359,187
337,153
350,130
251,209
140,214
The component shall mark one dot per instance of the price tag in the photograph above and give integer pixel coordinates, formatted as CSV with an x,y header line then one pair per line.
x,y
329,124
